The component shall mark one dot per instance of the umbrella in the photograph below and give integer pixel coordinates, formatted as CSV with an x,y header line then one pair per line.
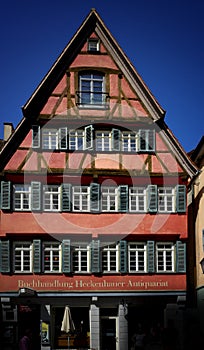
x,y
67,322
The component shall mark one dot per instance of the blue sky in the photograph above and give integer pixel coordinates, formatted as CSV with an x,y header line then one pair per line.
x,y
164,39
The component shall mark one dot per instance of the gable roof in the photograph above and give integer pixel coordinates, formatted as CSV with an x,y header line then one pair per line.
x,y
93,22
32,107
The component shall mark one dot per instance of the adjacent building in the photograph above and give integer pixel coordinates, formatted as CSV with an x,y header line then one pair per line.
x,y
93,204
196,240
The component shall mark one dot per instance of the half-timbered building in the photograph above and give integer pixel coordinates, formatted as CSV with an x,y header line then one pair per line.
x,y
93,203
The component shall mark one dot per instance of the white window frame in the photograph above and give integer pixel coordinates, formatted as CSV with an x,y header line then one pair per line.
x,y
129,141
91,80
109,199
81,198
76,140
53,251
23,251
81,258
146,140
50,138
166,199
93,45
103,140
51,198
137,195
164,252
22,195
110,258
136,253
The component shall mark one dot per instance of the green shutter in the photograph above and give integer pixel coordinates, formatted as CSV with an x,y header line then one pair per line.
x,y
66,197
95,256
35,196
5,256
152,198
180,256
88,137
115,138
123,256
123,195
36,255
66,256
35,136
5,195
181,198
150,256
95,197
63,138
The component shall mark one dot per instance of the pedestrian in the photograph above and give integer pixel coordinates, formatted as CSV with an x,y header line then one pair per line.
x,y
138,338
25,341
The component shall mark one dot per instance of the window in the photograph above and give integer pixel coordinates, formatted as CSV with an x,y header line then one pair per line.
x,y
166,199
22,197
103,140
129,142
93,45
52,257
109,198
81,198
137,199
146,140
92,89
22,257
137,257
81,258
51,197
50,138
110,258
76,140
165,257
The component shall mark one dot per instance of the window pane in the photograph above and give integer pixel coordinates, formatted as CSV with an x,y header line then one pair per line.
x,y
52,257
110,259
109,198
23,257
81,198
22,197
51,197
137,199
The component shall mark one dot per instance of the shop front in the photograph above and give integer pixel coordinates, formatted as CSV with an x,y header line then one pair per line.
x,y
104,311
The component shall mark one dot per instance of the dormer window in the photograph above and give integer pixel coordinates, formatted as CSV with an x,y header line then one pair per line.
x,y
92,90
93,45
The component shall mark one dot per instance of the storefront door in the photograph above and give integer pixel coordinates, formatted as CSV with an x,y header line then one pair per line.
x,y
108,333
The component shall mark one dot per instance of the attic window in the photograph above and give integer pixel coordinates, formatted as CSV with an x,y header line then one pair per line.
x,y
93,45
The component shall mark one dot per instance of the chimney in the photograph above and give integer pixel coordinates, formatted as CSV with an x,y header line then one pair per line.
x,y
8,130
